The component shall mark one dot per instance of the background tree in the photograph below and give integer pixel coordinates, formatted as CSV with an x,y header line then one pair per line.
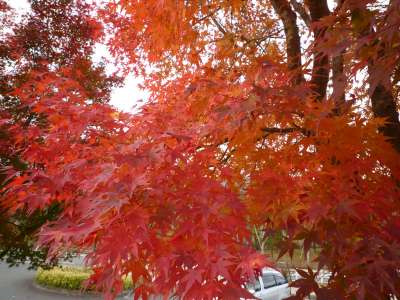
x,y
51,36
273,114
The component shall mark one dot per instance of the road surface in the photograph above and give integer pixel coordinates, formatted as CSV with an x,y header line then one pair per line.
x,y
16,283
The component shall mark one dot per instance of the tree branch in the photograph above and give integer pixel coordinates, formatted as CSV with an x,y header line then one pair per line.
x,y
293,50
271,130
219,26
299,8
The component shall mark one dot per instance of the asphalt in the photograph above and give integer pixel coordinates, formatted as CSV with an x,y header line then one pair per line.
x,y
16,283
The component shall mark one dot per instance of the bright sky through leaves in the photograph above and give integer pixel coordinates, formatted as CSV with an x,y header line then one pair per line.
x,y
125,97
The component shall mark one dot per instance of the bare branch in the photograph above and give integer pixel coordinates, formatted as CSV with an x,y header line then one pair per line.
x,y
219,26
271,130
212,13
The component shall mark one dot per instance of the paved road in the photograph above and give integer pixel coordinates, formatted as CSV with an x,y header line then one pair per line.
x,y
17,284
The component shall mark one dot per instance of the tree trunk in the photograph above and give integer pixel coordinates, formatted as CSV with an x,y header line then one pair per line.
x,y
320,73
384,106
382,99
293,50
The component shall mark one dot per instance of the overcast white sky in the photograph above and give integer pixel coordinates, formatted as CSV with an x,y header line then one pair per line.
x,y
123,98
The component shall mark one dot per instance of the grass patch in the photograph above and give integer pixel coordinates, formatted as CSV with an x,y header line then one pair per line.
x,y
69,278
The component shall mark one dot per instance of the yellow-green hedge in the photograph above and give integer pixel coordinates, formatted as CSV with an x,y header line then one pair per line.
x,y
69,278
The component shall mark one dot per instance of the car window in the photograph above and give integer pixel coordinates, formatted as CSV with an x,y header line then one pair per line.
x,y
280,279
255,285
268,280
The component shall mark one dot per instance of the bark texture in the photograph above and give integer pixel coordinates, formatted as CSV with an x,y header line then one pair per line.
x,y
382,99
320,73
384,106
293,50
339,82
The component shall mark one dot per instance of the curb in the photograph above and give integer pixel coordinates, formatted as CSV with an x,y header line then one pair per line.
x,y
66,292
72,293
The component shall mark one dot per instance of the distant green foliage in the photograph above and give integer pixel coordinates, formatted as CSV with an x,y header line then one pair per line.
x,y
264,239
69,278
18,237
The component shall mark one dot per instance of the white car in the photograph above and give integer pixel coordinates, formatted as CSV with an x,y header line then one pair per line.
x,y
271,285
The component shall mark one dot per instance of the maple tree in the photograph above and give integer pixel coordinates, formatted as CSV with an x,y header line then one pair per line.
x,y
280,115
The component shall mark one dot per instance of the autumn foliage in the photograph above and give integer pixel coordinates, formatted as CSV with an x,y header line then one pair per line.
x,y
281,115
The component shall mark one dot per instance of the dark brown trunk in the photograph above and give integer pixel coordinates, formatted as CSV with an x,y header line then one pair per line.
x,y
320,73
293,50
338,77
382,99
339,83
384,106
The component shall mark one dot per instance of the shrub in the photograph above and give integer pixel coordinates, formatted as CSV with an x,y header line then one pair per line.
x,y
69,278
